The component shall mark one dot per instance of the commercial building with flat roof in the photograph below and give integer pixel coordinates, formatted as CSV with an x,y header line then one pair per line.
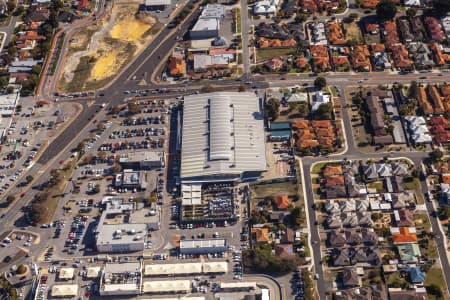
x,y
166,286
142,160
130,179
222,138
153,5
64,290
203,246
113,238
172,269
121,279
208,24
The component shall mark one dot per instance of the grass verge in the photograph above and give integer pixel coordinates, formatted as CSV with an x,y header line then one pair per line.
x,y
266,54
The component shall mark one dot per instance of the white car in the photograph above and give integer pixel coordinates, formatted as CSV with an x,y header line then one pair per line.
x,y
27,244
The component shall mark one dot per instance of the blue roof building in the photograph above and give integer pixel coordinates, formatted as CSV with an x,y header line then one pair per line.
x,y
416,275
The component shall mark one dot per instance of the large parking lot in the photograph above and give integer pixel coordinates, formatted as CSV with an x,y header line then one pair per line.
x,y
33,126
111,167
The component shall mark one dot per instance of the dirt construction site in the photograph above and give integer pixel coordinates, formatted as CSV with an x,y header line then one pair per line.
x,y
98,52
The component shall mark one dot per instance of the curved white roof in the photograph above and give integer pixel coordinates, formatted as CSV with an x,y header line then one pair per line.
x,y
223,134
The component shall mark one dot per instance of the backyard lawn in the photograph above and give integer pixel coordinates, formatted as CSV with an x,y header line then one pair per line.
x,y
266,54
435,277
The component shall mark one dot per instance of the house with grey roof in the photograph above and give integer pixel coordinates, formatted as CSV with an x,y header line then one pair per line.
x,y
348,206
334,221
399,169
336,238
369,237
370,172
384,170
332,207
353,237
349,219
365,219
342,257
350,278
362,205
367,255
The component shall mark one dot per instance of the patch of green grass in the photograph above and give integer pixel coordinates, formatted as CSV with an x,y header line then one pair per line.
x,y
237,27
9,292
315,180
272,189
412,184
435,277
266,54
318,167
378,185
422,220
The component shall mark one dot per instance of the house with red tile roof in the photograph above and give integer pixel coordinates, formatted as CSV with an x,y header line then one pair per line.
x,y
405,235
440,129
330,170
177,66
282,201
400,56
334,180
370,3
361,58
321,59
340,63
436,99
390,34
310,134
261,235
334,33
302,64
372,28
274,64
439,57
424,103
377,47
435,30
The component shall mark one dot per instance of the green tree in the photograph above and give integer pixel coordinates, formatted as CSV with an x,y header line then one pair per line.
x,y
436,155
117,168
10,199
10,90
133,108
303,109
320,83
411,12
272,108
29,178
11,5
386,10
324,112
21,269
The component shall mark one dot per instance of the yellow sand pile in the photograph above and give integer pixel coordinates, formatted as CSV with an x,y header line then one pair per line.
x,y
129,29
105,65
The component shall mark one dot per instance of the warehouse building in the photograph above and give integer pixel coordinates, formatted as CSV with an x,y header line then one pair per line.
x,y
64,291
121,238
208,24
155,5
142,160
164,287
121,279
172,269
203,246
217,267
222,138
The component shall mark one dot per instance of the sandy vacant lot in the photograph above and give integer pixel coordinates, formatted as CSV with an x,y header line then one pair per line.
x,y
97,53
